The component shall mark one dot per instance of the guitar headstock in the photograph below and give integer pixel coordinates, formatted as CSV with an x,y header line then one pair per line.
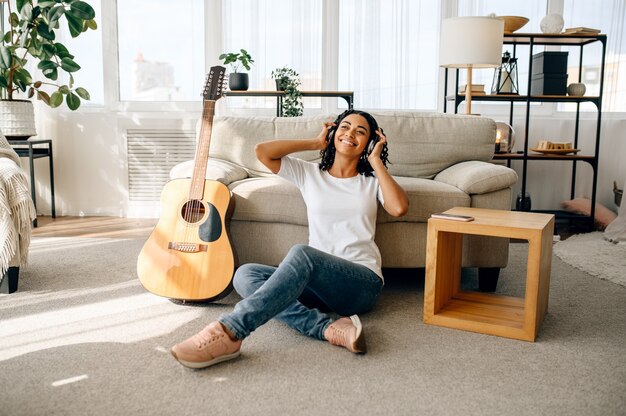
x,y
215,83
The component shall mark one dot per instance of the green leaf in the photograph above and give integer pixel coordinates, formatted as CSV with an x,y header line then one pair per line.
x,y
91,24
45,32
20,4
46,3
14,20
4,83
26,10
64,89
48,51
82,10
74,23
5,57
56,99
69,65
54,15
83,93
61,51
23,76
51,73
43,96
73,101
47,64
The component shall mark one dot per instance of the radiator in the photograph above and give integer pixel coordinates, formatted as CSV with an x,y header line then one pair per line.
x,y
151,155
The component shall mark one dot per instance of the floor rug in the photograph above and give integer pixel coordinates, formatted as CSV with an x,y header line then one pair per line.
x,y
593,254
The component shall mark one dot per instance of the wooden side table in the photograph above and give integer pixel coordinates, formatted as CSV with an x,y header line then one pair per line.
x,y
444,302
35,149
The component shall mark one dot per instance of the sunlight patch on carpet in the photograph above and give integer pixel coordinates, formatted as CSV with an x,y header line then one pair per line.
x,y
125,320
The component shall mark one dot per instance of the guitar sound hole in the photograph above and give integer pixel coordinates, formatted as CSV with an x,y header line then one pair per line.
x,y
193,211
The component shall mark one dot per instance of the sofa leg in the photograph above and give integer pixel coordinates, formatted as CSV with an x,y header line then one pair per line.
x,y
9,281
488,278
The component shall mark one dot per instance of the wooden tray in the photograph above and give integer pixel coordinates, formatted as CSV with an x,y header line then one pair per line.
x,y
556,151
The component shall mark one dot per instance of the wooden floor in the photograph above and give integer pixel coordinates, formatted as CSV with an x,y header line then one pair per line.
x,y
112,227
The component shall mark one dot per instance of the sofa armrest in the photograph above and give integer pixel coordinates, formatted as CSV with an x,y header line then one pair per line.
x,y
476,177
217,169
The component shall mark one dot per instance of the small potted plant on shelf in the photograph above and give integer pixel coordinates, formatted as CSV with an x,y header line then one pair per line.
x,y
288,80
238,81
32,36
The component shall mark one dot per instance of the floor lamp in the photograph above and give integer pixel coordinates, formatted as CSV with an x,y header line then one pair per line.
x,y
471,42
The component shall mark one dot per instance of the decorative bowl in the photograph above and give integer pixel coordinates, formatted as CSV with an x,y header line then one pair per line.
x,y
513,23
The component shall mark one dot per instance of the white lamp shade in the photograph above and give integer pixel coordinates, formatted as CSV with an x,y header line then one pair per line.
x,y
471,42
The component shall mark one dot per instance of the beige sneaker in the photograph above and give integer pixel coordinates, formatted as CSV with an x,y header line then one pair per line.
x,y
210,346
347,333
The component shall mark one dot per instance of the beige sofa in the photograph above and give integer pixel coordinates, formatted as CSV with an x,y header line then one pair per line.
x,y
441,160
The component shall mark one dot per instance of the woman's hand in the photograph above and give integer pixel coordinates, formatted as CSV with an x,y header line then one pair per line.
x,y
378,148
321,138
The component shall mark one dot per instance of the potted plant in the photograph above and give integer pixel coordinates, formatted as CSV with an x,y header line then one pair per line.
x,y
32,36
237,81
288,80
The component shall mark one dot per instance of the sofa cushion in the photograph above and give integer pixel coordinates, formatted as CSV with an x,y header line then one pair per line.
x,y
420,144
476,177
273,199
423,144
268,199
425,198
234,138
216,169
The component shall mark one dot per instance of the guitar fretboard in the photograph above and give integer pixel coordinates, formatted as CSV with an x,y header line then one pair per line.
x,y
202,151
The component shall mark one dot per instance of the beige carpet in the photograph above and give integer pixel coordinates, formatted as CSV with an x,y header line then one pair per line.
x,y
591,253
82,337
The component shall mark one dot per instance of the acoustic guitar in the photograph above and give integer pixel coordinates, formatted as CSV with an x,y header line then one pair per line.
x,y
189,256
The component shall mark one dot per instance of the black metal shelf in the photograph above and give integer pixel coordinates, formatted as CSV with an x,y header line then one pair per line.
x,y
541,39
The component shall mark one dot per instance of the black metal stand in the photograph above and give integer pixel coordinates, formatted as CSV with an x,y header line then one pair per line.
x,y
27,149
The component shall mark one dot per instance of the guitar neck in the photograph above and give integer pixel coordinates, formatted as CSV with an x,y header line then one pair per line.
x,y
202,151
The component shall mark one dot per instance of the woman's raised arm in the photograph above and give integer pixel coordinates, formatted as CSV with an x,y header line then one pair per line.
x,y
269,153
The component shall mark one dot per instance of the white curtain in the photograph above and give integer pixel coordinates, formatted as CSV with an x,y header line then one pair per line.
x,y
276,33
609,16
389,52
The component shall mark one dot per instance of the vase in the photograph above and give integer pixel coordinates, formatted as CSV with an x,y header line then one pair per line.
x,y
238,82
552,23
17,119
576,89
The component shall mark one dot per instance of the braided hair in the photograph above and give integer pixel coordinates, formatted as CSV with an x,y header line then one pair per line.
x,y
363,166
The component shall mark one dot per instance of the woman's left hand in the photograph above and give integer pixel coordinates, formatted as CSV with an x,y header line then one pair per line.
x,y
378,148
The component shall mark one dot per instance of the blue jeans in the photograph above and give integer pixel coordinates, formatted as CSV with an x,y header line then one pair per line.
x,y
345,287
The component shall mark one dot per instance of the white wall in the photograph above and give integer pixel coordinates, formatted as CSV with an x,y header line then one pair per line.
x,y
91,176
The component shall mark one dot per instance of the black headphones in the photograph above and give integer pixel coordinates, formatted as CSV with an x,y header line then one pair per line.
x,y
375,140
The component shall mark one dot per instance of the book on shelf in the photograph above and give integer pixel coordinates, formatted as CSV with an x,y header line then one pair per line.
x,y
476,89
581,31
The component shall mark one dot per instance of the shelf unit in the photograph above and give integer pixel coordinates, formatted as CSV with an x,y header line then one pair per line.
x,y
532,40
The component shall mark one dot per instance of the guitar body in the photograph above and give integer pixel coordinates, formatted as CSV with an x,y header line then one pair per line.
x,y
188,256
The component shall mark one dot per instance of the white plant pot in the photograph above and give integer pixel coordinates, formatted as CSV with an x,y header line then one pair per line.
x,y
17,119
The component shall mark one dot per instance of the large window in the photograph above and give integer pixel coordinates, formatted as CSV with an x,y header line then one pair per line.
x,y
88,51
389,52
275,33
609,16
161,50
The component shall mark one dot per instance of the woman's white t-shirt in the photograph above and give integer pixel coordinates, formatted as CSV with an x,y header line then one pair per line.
x,y
341,211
